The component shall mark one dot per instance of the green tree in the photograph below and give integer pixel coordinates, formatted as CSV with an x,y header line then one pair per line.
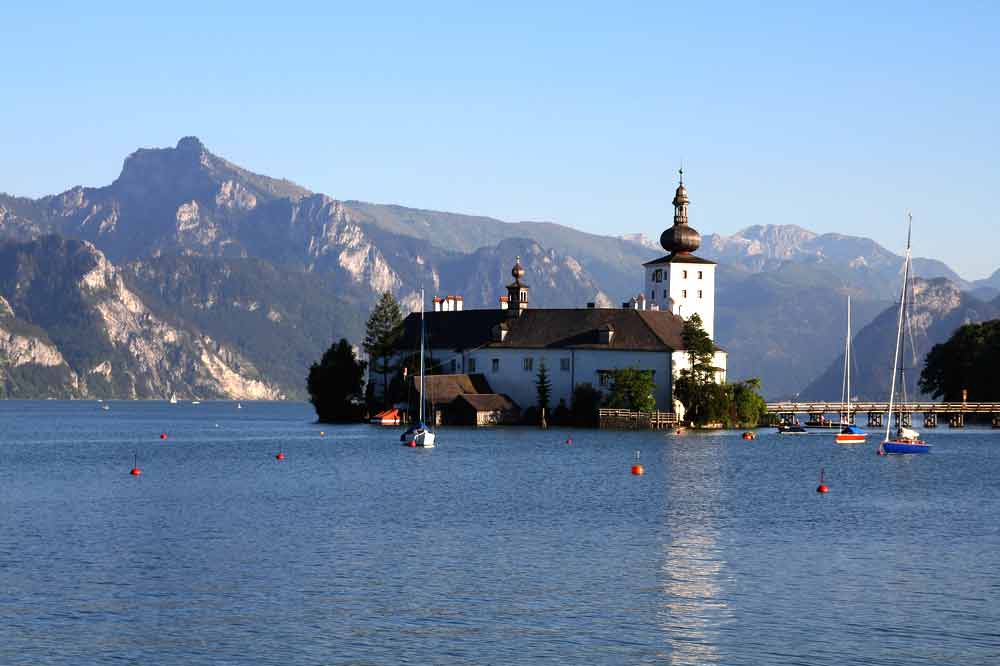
x,y
632,388
695,386
382,333
968,360
335,384
543,385
747,406
585,405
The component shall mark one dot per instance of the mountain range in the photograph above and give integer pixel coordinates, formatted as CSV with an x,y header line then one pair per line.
x,y
220,282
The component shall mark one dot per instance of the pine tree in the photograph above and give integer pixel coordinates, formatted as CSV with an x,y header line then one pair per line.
x,y
544,386
335,382
382,333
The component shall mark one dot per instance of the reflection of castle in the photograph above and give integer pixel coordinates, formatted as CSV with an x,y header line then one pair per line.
x,y
584,345
694,604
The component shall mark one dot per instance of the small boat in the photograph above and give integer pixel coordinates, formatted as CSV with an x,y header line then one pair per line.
x,y
105,407
196,402
906,439
173,400
792,428
419,434
849,433
239,405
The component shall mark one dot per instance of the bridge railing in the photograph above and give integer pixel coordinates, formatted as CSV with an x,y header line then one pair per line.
x,y
787,407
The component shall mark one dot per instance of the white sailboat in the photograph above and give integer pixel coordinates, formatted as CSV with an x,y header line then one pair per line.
x,y
849,433
419,435
906,440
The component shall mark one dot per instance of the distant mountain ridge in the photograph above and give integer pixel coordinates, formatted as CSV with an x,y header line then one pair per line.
x,y
251,260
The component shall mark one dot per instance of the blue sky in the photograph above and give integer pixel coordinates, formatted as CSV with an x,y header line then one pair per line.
x,y
835,117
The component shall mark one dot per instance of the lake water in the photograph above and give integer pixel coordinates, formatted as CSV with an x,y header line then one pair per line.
x,y
505,546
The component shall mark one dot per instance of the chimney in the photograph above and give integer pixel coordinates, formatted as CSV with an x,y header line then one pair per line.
x,y
458,303
504,302
437,304
590,305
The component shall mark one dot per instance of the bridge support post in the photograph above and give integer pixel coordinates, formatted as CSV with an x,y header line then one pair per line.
x,y
956,420
874,419
930,420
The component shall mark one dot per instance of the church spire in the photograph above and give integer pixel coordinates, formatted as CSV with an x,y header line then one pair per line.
x,y
680,238
517,291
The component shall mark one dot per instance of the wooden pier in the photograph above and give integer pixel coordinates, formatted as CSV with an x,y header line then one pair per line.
x,y
952,412
626,419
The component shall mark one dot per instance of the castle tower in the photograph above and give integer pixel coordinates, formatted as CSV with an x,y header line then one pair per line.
x,y
517,291
680,281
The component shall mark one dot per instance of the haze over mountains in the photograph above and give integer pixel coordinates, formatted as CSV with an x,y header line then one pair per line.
x,y
249,278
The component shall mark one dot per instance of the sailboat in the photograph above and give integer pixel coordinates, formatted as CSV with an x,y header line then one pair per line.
x,y
906,440
419,434
849,433
173,399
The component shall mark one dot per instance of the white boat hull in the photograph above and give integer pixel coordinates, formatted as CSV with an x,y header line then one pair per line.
x,y
425,439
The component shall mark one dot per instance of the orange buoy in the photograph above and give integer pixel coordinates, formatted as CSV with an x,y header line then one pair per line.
x,y
569,440
638,470
163,435
412,443
280,456
135,471
822,488
322,433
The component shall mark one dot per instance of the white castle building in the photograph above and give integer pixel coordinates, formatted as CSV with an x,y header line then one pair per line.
x,y
502,349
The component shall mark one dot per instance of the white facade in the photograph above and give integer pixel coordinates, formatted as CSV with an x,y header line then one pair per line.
x,y
683,288
505,370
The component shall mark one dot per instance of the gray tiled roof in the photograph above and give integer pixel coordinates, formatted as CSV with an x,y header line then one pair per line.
x,y
540,328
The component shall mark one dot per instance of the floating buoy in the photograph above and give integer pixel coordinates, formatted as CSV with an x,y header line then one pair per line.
x,y
822,488
749,435
678,431
880,451
638,470
569,440
280,456
412,443
322,433
135,471
163,435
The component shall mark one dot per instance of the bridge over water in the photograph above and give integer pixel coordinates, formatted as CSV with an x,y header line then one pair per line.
x,y
953,412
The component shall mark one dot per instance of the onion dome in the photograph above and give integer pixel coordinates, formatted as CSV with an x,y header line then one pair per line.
x,y
518,270
680,238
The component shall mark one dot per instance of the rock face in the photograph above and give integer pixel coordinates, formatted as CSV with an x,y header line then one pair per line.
x,y
938,308
262,274
82,317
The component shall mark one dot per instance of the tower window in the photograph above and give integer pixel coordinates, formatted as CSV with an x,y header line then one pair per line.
x,y
529,364
699,293
699,275
684,293
684,274
496,365
604,377
652,295
664,293
658,275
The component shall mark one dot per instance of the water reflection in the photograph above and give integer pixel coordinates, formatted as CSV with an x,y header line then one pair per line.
x,y
694,607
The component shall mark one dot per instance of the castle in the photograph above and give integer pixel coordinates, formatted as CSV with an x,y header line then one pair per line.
x,y
496,353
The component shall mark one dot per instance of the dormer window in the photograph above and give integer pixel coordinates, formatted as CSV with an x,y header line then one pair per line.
x,y
605,334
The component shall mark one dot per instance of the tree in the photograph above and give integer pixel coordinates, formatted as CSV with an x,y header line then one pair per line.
x,y
335,384
967,361
695,386
382,334
747,406
544,387
585,405
632,388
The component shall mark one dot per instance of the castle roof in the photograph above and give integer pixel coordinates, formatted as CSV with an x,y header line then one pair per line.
x,y
684,258
543,328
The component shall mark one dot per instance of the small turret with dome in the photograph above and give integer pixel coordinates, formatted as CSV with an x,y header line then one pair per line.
x,y
680,238
517,291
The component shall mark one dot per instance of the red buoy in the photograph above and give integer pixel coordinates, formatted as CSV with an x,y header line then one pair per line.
x,y
569,440
163,435
412,443
280,456
822,488
135,471
638,470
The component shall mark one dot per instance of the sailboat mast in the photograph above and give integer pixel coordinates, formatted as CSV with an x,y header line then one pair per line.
x,y
421,409
899,326
847,362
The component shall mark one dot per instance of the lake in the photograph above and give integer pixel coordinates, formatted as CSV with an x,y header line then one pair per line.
x,y
500,546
